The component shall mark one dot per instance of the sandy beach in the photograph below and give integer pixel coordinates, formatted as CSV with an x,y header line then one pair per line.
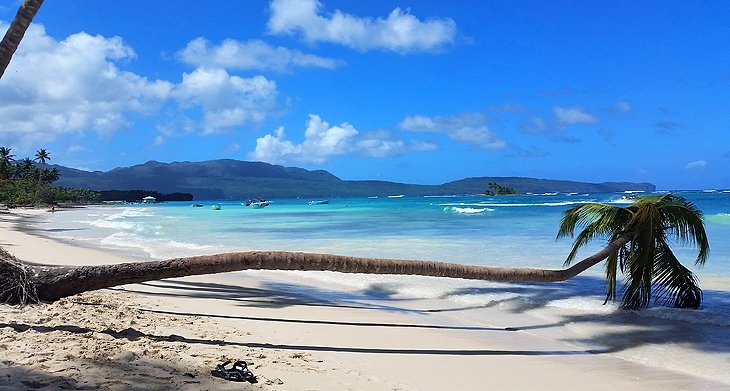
x,y
296,334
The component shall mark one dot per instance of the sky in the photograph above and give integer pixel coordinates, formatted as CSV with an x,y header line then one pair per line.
x,y
410,91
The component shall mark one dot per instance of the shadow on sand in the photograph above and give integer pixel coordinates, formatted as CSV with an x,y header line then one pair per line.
x,y
701,329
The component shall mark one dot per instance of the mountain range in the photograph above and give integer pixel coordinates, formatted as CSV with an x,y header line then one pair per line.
x,y
234,179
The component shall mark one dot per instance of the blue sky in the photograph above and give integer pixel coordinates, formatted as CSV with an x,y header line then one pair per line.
x,y
409,91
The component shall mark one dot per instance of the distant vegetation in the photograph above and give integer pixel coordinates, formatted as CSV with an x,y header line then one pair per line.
x,y
22,182
496,189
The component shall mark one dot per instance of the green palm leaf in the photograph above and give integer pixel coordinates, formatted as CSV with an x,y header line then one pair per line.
x,y
646,260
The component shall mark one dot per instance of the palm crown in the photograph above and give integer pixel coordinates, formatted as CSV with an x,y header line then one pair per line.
x,y
646,260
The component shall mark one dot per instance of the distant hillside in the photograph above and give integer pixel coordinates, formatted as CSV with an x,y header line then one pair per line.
x,y
233,179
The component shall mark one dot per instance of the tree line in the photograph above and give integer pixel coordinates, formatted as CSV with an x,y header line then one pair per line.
x,y
24,182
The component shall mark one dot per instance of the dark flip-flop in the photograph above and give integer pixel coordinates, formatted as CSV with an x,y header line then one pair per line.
x,y
238,372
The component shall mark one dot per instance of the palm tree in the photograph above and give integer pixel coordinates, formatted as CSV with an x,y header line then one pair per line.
x,y
5,155
42,155
27,168
49,175
630,238
646,260
16,31
6,159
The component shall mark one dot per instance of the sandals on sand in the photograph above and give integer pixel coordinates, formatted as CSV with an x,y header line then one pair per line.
x,y
238,372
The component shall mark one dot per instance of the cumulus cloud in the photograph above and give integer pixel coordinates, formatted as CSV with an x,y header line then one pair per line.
x,y
249,55
696,164
399,32
57,87
323,142
77,84
467,128
226,100
565,116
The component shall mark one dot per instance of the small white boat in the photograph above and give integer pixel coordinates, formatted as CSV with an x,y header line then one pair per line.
x,y
318,202
396,196
257,203
216,207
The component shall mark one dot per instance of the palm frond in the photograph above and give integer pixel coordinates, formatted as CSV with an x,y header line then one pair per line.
x,y
611,272
597,220
684,221
676,285
646,261
637,267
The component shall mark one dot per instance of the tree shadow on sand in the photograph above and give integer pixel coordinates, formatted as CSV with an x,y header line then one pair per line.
x,y
133,334
620,329
576,302
271,295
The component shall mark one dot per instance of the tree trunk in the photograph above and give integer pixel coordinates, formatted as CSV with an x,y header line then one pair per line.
x,y
49,284
16,31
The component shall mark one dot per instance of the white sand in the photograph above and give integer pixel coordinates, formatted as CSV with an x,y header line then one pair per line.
x,y
149,336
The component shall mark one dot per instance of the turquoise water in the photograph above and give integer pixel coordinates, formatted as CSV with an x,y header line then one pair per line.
x,y
496,231
499,231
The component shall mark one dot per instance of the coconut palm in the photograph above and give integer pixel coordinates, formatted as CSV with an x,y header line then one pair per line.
x,y
42,155
5,155
6,160
49,175
16,31
628,234
647,227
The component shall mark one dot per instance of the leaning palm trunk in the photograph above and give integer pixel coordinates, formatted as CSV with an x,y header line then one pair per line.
x,y
50,284
16,31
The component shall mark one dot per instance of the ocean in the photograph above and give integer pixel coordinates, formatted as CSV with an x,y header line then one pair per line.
x,y
516,231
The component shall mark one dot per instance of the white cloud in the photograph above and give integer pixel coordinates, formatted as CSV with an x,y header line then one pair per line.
x,y
159,140
76,85
233,147
381,144
624,106
322,142
535,125
247,55
76,149
399,32
565,116
696,164
273,148
73,85
467,128
226,100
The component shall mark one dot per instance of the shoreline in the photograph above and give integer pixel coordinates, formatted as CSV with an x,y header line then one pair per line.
x,y
297,340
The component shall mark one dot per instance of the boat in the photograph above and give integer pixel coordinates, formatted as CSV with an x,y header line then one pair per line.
x,y
216,207
396,196
196,205
256,203
318,202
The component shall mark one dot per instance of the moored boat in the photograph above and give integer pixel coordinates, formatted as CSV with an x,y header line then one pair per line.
x,y
318,202
256,203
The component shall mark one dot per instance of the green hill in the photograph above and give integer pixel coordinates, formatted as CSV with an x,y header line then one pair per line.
x,y
233,179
